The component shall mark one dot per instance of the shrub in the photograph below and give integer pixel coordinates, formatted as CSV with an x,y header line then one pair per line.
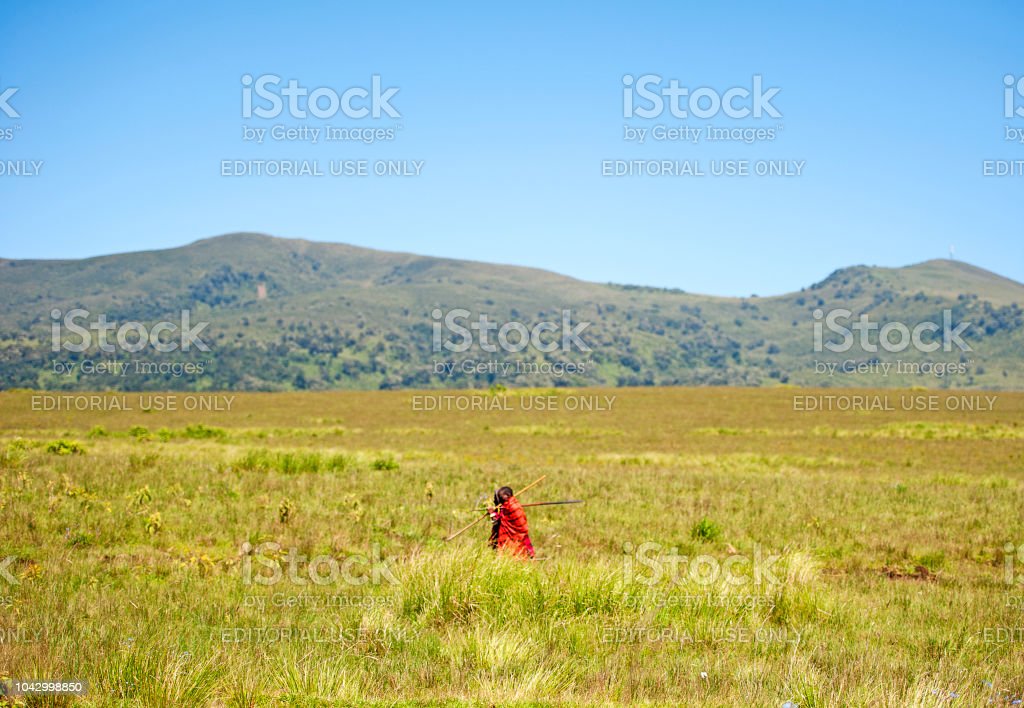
x,y
79,539
65,447
292,462
141,462
143,496
285,510
385,463
705,531
933,561
12,455
339,462
350,503
298,462
203,432
253,461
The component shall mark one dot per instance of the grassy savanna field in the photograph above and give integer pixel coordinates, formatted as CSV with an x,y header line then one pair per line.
x,y
842,558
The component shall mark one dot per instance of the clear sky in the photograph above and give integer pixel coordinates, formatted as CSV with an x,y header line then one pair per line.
x,y
889,110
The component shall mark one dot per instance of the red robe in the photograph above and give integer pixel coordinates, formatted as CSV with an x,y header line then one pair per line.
x,y
510,531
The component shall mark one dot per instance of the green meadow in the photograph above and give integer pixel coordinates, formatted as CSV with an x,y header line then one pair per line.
x,y
733,548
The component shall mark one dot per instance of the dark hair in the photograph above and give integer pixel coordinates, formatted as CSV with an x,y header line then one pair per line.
x,y
500,492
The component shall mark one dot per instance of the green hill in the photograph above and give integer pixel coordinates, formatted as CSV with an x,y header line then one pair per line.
x,y
287,314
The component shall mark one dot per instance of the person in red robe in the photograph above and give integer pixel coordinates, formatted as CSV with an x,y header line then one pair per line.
x,y
509,531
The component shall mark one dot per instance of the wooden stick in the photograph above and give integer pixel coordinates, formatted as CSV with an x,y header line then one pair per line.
x,y
467,528
570,501
530,486
553,503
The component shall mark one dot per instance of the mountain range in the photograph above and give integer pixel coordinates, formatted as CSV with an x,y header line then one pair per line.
x,y
285,314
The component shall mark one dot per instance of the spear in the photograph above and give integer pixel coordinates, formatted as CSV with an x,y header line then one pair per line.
x,y
568,501
467,528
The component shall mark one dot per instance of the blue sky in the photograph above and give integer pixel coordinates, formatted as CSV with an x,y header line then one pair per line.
x,y
891,107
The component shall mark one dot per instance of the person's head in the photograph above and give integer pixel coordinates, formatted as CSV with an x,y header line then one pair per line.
x,y
502,495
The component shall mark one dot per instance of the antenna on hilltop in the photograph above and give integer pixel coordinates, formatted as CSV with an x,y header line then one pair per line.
x,y
952,253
